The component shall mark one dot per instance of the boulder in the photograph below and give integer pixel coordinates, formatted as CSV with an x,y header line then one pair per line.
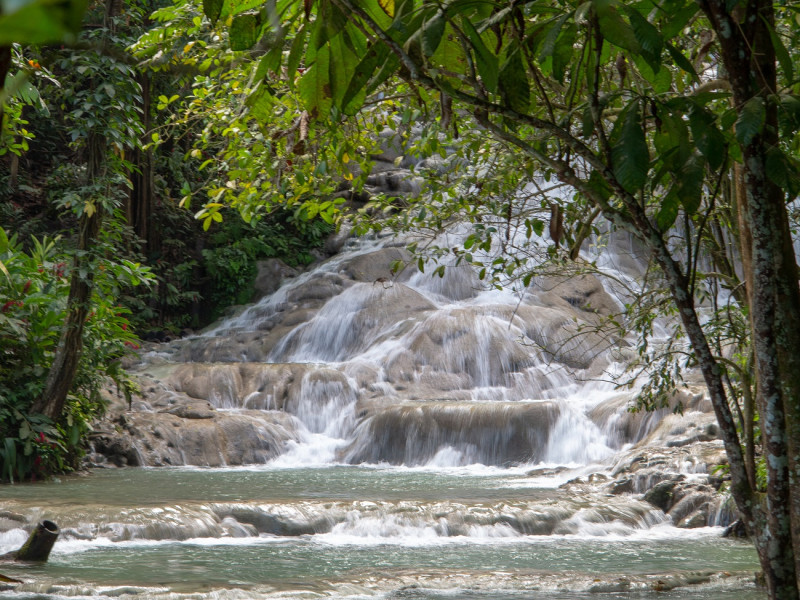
x,y
270,274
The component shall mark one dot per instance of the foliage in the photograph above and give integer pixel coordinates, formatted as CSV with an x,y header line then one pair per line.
x,y
661,116
33,290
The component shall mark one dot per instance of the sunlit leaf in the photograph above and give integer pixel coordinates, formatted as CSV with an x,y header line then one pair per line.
x,y
387,6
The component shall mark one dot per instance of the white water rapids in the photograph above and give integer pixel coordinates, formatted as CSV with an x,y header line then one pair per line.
x,y
363,435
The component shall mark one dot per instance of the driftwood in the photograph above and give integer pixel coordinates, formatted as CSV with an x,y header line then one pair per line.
x,y
38,546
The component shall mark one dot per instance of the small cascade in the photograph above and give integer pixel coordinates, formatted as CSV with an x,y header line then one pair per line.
x,y
488,433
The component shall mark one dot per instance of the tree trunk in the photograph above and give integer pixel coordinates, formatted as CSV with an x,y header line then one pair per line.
x,y
139,207
70,345
68,352
749,58
40,543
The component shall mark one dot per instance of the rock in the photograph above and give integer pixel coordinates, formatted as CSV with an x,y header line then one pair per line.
x,y
376,266
270,275
488,433
192,411
661,495
622,486
582,292
699,518
735,529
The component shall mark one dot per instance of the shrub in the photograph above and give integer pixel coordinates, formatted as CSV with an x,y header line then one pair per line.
x,y
34,287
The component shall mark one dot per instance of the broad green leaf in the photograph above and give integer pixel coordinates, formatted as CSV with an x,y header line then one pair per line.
x,y
682,62
42,22
668,211
513,82
613,26
751,120
244,31
708,139
562,53
296,54
432,32
781,53
690,183
212,9
341,66
314,86
260,103
234,7
661,81
678,14
376,55
629,154
648,36
599,185
487,62
550,35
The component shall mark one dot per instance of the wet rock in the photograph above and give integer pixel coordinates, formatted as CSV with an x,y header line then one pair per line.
x,y
270,274
699,518
491,434
324,287
692,500
376,267
736,529
661,495
582,292
191,411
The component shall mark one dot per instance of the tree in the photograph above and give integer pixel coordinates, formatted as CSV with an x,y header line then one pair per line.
x,y
677,121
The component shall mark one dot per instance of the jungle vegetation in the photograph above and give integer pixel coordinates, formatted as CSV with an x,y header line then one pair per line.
x,y
674,120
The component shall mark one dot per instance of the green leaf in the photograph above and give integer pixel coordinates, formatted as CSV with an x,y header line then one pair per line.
x,y
668,211
487,62
781,53
234,7
648,36
376,55
295,54
630,155
212,9
708,139
690,183
341,69
513,83
550,35
244,31
614,28
432,32
680,15
599,186
682,62
751,120
40,22
314,86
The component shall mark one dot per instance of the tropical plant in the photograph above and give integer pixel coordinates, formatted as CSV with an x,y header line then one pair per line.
x,y
33,290
676,121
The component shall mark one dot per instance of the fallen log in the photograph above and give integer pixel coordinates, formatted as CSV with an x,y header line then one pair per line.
x,y
39,543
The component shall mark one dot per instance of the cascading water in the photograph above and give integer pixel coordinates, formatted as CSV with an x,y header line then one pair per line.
x,y
364,435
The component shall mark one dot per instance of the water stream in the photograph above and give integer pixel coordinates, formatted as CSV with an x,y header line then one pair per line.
x,y
362,436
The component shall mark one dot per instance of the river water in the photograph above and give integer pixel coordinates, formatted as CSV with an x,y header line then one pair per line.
x,y
353,532
440,442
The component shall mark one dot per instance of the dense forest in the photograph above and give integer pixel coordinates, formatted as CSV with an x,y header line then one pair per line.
x,y
151,154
